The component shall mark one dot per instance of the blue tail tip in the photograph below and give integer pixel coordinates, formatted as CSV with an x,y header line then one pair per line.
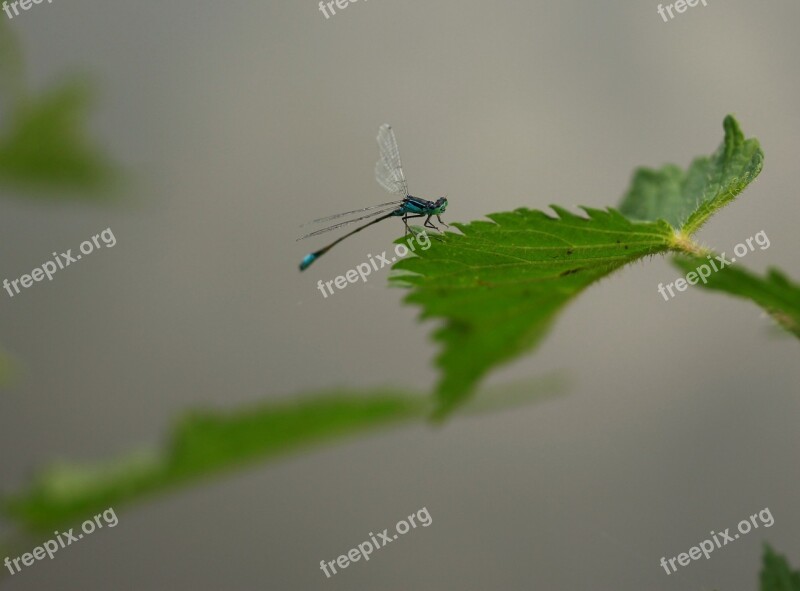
x,y
307,260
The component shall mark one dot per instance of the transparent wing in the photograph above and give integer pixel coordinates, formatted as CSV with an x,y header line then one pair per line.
x,y
340,224
340,215
389,169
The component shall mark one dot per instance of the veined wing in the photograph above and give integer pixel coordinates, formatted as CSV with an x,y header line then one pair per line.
x,y
363,217
340,215
389,169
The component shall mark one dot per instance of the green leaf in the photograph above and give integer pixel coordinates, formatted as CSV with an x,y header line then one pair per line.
x,y
776,574
45,144
686,199
208,443
774,292
204,443
499,286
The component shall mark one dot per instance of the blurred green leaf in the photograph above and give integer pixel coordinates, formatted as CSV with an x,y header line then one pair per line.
x,y
45,145
775,293
208,443
204,443
776,574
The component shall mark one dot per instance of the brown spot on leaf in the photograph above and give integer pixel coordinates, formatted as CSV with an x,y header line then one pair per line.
x,y
570,272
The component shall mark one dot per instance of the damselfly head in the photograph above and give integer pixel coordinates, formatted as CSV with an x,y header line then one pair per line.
x,y
441,204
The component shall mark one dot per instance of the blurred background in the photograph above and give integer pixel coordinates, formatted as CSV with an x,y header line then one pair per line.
x,y
236,123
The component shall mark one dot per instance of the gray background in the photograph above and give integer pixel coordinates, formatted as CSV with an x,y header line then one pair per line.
x,y
240,121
